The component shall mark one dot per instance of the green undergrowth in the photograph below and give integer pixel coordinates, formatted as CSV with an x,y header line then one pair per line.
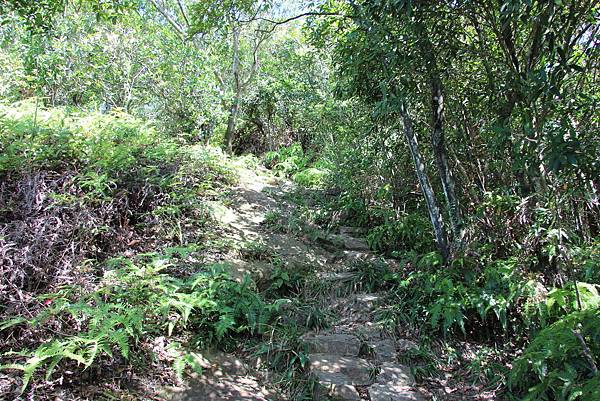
x,y
561,361
137,300
293,162
493,290
497,299
121,265
34,137
135,218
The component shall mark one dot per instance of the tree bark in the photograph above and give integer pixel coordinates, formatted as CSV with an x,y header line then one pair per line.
x,y
231,123
441,158
434,212
234,109
438,140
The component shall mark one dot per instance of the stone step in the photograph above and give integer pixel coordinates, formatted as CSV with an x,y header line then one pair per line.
x,y
383,350
337,276
395,374
348,370
390,392
344,230
336,344
358,255
353,243
335,385
367,300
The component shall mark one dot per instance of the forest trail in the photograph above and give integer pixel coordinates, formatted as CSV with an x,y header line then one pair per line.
x,y
353,358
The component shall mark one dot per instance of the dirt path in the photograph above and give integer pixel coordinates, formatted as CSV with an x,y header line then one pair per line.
x,y
353,359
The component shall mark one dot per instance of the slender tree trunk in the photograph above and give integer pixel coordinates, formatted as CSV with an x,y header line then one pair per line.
x,y
231,122
441,158
235,106
438,140
434,212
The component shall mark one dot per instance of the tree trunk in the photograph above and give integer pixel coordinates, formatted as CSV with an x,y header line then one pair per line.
x,y
231,121
437,136
235,106
434,212
441,157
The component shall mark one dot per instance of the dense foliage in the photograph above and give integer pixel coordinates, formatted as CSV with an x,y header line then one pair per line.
x,y
460,138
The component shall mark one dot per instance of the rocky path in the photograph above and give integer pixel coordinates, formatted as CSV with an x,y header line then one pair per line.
x,y
353,359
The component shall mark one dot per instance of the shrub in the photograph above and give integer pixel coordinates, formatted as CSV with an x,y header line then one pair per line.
x,y
559,363
288,160
461,294
311,177
33,137
135,299
407,233
79,186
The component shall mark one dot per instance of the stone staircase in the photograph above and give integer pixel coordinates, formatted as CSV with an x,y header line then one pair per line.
x,y
354,360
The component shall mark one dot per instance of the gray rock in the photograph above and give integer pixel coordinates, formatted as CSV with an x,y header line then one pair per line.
x,y
370,332
384,350
337,276
345,392
354,244
357,371
353,255
335,385
395,374
366,301
385,392
352,230
330,242
338,344
406,345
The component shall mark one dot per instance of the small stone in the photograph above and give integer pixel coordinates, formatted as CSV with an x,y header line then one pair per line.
x,y
385,392
395,374
339,344
384,350
357,370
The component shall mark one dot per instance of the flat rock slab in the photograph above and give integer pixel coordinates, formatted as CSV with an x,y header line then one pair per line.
x,y
352,230
354,244
225,377
335,385
337,276
357,255
338,344
348,370
366,301
385,392
396,375
221,389
384,350
238,269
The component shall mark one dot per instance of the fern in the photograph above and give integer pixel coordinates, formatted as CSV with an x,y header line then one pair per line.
x,y
137,300
554,365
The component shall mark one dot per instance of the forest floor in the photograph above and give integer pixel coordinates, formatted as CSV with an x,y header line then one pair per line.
x,y
352,355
